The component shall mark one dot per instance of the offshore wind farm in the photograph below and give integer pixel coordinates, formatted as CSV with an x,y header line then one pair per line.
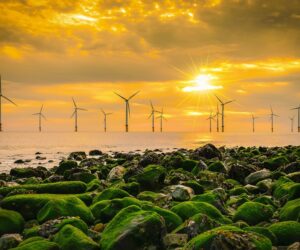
x,y
149,125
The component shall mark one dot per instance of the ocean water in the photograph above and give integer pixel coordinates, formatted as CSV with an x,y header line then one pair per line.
x,y
57,145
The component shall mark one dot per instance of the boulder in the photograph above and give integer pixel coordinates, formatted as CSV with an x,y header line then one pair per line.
x,y
71,206
134,229
287,232
70,237
10,222
253,213
208,151
257,176
8,241
290,211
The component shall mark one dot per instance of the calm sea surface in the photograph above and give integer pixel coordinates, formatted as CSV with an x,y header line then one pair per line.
x,y
56,146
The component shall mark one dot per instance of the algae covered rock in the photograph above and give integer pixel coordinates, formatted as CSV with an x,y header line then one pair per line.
x,y
10,222
253,213
287,232
110,193
257,176
152,177
208,151
64,166
37,243
290,211
70,206
188,209
65,187
70,237
229,237
132,228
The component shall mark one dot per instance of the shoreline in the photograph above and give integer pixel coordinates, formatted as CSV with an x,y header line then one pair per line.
x,y
240,196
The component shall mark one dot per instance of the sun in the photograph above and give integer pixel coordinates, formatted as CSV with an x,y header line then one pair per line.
x,y
202,82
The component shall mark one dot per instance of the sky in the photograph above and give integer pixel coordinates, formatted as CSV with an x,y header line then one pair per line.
x,y
178,53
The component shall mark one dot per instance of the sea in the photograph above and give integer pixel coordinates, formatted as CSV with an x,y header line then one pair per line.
x,y
55,146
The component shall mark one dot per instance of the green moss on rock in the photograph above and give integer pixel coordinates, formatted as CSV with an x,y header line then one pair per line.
x,y
66,187
110,193
229,238
253,213
65,165
287,232
189,208
37,244
71,206
290,211
70,237
151,178
10,222
133,228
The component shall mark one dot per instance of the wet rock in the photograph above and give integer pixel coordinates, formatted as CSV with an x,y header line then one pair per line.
x,y
8,241
217,166
291,167
255,177
196,225
95,152
20,161
116,173
240,171
77,156
179,192
64,166
150,158
29,172
175,240
10,222
295,246
208,151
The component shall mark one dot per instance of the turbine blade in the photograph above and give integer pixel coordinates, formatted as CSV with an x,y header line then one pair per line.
x,y
44,117
229,102
103,111
219,99
121,96
41,108
151,105
82,109
8,100
133,95
109,113
73,114
74,102
151,114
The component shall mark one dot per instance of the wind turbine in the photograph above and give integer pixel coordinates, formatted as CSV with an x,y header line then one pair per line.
x,y
253,122
105,115
6,98
161,117
75,114
127,107
41,115
217,115
210,118
272,119
298,108
152,114
223,110
292,123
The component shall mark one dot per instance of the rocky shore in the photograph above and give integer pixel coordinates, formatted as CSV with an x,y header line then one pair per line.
x,y
207,198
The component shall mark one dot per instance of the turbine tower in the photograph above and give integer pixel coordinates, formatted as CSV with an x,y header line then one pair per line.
x,y
210,118
152,115
298,108
292,123
6,98
40,116
161,117
217,115
223,111
75,114
105,116
127,107
253,123
272,119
